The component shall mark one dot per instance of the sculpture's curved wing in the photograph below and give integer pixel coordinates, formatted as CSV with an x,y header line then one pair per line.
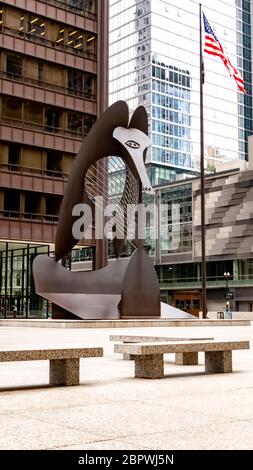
x,y
99,143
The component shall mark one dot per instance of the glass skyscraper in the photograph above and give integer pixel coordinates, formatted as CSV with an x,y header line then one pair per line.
x,y
154,61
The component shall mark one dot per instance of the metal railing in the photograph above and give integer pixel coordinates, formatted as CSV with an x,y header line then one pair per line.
x,y
47,85
45,128
28,216
46,173
212,281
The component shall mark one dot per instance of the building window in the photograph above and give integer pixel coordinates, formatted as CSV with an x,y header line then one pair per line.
x,y
52,120
32,205
80,83
33,113
21,25
11,203
13,66
75,122
14,156
61,36
75,81
80,123
90,46
75,39
12,18
53,205
36,26
89,85
54,163
74,3
12,108
83,5
88,123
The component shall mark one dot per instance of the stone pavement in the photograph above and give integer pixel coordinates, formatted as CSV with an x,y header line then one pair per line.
x,y
112,410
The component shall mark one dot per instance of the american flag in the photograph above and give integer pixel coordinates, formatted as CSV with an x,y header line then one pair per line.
x,y
214,47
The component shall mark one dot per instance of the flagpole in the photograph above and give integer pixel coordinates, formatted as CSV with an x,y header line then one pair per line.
x,y
202,172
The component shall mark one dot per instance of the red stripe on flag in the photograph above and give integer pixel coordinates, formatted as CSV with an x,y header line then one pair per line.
x,y
214,48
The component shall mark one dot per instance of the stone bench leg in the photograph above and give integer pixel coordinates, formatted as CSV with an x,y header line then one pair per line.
x,y
218,361
64,372
128,357
150,366
187,359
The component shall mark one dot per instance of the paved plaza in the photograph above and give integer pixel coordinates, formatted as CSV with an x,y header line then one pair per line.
x,y
112,410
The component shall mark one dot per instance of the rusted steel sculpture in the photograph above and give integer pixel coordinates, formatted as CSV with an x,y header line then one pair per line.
x,y
128,287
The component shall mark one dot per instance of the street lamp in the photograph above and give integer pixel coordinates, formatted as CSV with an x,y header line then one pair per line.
x,y
228,296
226,276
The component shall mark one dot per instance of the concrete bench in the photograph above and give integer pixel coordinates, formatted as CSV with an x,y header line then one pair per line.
x,y
64,364
181,359
149,360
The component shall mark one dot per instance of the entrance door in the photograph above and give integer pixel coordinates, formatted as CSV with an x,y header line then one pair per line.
x,y
188,302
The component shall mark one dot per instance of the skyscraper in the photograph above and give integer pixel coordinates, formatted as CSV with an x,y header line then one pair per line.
x,y
53,85
154,61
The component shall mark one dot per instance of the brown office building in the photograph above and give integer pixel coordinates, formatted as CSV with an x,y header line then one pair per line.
x,y
53,85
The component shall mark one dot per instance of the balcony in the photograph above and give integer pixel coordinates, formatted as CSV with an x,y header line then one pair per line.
x,y
45,128
34,227
29,227
32,179
212,283
47,93
39,135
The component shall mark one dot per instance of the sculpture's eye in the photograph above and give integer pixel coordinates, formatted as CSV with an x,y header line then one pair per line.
x,y
133,144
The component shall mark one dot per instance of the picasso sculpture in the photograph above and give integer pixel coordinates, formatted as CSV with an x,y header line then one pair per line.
x,y
127,287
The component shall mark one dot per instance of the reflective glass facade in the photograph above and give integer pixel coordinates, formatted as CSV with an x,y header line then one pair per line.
x,y
177,198
18,298
154,61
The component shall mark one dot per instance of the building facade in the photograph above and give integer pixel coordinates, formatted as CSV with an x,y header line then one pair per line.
x,y
154,61
53,85
229,242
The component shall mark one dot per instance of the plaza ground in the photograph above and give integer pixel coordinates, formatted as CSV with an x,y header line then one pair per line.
x,y
113,410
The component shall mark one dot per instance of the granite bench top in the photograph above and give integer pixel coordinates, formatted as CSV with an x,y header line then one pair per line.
x,y
146,339
40,354
179,347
